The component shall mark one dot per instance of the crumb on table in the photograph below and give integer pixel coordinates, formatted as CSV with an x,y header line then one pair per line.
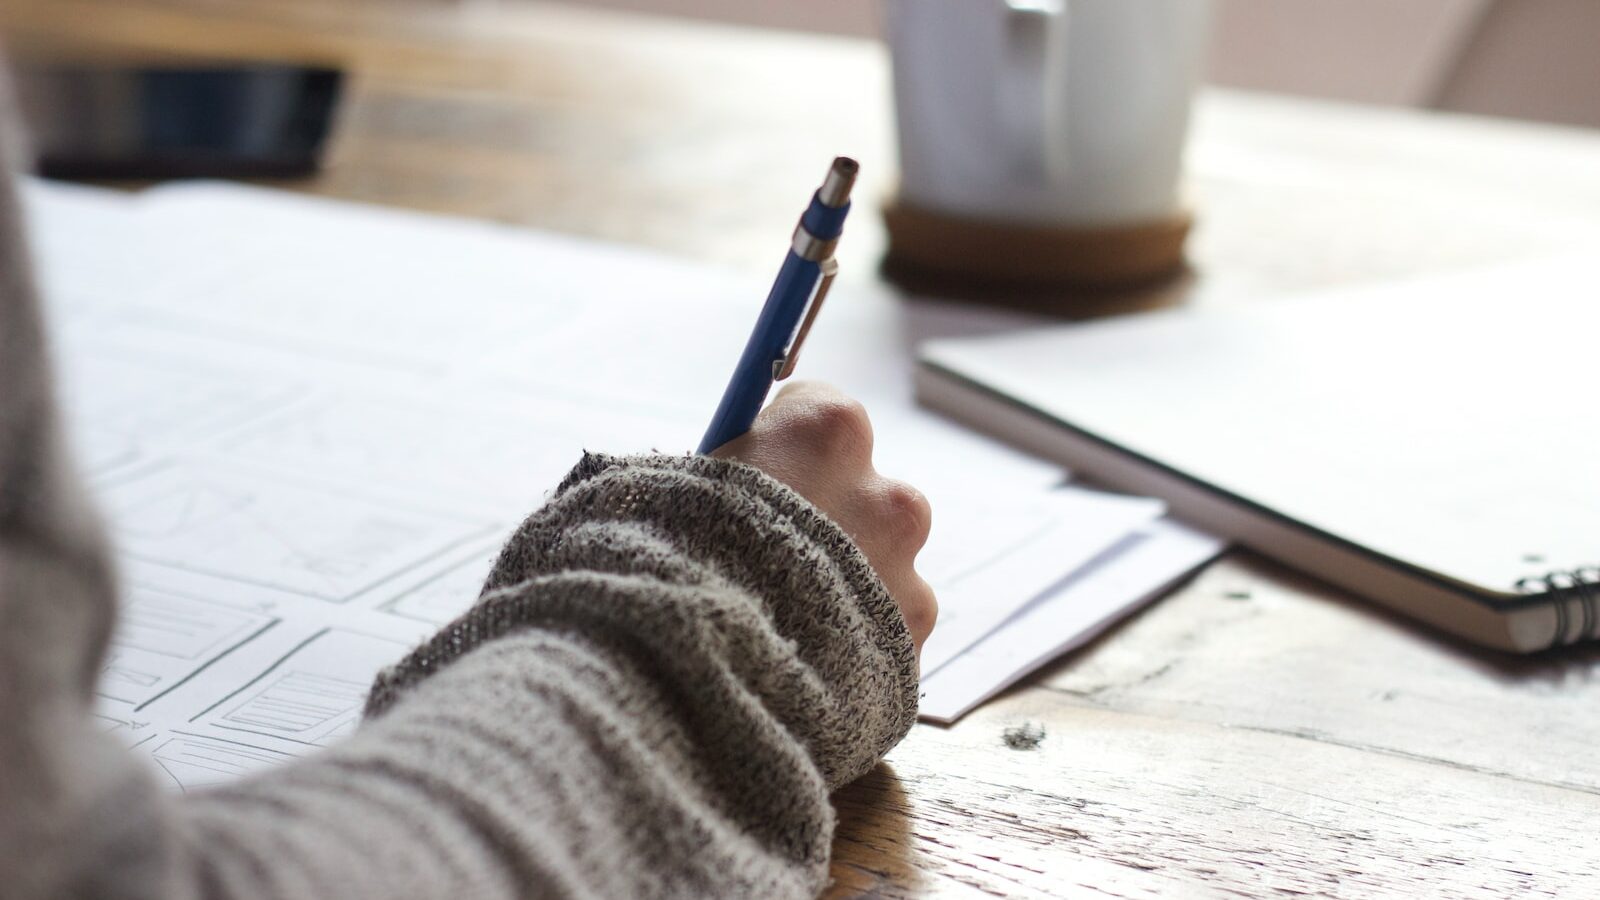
x,y
1027,736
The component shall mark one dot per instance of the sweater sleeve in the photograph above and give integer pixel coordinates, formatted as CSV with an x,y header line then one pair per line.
x,y
673,663
675,660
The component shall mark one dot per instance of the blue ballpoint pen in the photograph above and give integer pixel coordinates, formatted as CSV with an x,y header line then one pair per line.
x,y
801,285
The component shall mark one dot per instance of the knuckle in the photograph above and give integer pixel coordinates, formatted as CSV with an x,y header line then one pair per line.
x,y
839,425
908,512
921,610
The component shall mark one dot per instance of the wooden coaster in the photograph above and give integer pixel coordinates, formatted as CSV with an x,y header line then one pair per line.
x,y
928,247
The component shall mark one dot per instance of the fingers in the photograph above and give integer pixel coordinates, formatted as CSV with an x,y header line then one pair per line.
x,y
909,521
919,606
821,420
814,417
897,520
812,438
818,441
907,516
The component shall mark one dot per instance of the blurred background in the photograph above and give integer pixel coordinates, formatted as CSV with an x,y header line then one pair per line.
x,y
687,125
1531,59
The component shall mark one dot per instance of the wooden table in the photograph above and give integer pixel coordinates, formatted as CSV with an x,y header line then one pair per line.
x,y
1255,732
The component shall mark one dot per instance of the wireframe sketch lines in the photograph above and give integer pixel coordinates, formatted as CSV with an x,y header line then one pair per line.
x,y
162,639
187,508
180,627
191,761
442,598
298,703
506,454
314,693
272,531
128,732
124,402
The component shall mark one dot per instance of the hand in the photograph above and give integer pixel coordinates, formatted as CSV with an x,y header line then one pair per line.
x,y
819,442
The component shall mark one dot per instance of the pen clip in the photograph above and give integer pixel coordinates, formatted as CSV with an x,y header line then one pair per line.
x,y
783,366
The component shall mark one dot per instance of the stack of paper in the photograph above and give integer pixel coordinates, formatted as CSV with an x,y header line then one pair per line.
x,y
312,424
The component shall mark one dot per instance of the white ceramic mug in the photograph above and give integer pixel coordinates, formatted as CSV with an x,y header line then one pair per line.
x,y
1056,112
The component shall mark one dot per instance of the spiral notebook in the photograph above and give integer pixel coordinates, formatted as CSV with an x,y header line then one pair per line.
x,y
1433,445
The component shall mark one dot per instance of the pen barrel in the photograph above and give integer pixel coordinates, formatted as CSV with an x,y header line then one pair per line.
x,y
824,222
768,348
830,203
752,378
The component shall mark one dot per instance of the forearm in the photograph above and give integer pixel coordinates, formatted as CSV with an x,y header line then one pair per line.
x,y
538,765
744,592
677,662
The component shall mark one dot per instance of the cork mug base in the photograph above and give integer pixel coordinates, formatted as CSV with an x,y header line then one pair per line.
x,y
927,247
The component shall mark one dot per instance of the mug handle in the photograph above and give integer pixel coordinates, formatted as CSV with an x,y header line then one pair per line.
x,y
1030,116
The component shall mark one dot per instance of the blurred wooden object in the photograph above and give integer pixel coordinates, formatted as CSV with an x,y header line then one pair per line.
x,y
1007,261
1256,733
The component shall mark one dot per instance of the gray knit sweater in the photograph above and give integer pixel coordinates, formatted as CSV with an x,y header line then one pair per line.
x,y
673,663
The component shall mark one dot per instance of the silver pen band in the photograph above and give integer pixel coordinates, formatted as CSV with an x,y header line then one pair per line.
x,y
809,247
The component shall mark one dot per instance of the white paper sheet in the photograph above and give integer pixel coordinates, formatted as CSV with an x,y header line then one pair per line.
x,y
997,556
1068,617
312,425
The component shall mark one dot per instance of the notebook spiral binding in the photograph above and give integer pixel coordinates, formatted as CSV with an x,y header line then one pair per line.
x,y
1581,585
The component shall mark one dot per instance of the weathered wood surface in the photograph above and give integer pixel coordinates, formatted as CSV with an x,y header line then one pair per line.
x,y
1255,733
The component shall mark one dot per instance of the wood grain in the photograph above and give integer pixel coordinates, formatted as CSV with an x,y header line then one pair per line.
x,y
1255,733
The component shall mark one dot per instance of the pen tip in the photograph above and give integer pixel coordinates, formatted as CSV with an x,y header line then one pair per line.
x,y
835,190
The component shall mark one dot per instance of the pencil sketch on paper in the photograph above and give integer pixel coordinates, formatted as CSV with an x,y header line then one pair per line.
x,y
126,731
498,456
396,318
163,639
273,532
442,598
313,694
192,761
123,404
